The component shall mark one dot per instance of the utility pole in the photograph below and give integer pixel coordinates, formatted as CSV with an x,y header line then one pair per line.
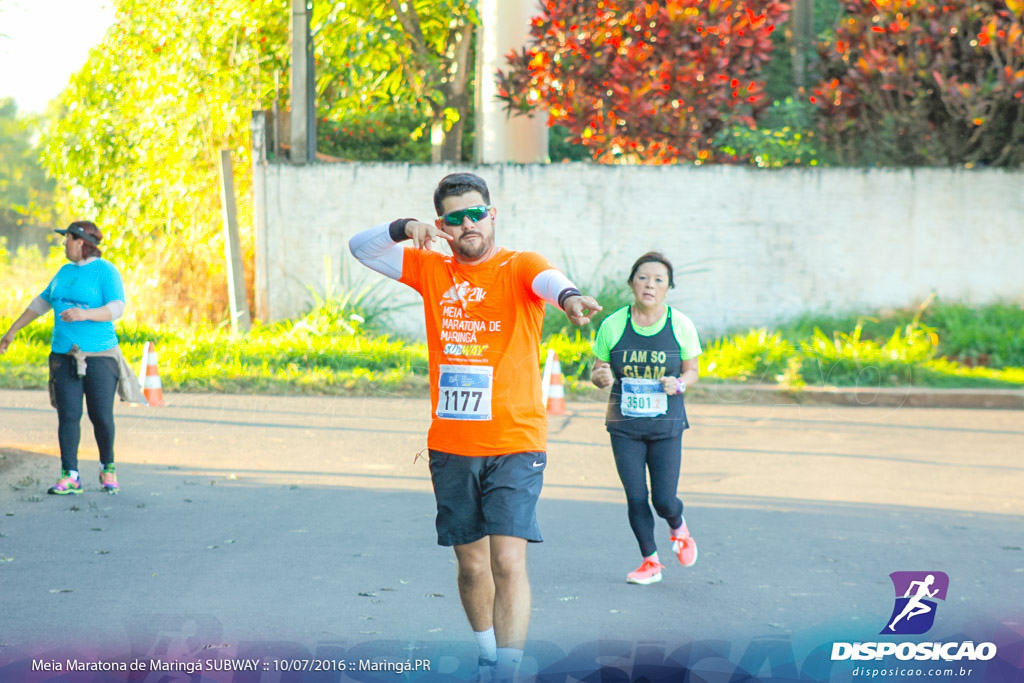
x,y
801,32
505,26
260,149
303,80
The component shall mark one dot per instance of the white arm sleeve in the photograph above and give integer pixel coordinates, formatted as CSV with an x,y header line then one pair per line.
x,y
549,284
40,306
116,309
375,249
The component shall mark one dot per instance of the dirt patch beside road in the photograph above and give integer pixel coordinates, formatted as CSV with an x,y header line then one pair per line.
x,y
22,473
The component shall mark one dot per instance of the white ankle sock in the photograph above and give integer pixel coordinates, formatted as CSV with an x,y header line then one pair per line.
x,y
488,646
73,474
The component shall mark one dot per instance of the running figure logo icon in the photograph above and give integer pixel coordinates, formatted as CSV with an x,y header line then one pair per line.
x,y
914,611
462,292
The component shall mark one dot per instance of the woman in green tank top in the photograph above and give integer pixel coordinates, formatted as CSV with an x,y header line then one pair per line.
x,y
647,353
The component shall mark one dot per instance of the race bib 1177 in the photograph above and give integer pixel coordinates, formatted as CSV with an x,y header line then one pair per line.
x,y
464,392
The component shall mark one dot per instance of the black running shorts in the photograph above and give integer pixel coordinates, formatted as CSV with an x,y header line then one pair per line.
x,y
488,495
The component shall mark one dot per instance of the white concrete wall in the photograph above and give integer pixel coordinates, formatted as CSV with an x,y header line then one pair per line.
x,y
750,247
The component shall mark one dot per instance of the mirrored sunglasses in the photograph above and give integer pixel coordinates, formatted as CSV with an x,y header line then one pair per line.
x,y
474,213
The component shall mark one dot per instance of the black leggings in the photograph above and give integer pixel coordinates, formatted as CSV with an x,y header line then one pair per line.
x,y
99,387
663,457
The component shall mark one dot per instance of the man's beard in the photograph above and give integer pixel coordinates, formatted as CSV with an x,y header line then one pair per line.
x,y
471,252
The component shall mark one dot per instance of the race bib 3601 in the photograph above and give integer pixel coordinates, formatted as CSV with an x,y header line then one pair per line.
x,y
643,398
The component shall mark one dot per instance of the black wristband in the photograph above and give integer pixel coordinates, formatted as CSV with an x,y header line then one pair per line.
x,y
397,229
565,294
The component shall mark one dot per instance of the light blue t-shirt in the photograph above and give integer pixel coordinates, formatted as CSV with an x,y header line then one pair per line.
x,y
87,286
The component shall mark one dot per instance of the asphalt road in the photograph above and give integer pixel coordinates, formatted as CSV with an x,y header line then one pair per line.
x,y
287,528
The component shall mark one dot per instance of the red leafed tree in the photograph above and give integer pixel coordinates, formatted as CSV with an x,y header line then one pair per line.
x,y
645,82
925,82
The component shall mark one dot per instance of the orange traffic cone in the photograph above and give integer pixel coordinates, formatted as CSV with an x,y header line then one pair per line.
x,y
150,374
553,389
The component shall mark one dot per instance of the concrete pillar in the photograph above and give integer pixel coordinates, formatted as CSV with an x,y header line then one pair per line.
x,y
300,78
258,128
801,29
505,25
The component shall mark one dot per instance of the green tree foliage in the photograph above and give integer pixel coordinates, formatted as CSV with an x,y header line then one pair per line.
x,y
26,194
399,58
921,82
375,136
785,136
646,82
779,75
136,144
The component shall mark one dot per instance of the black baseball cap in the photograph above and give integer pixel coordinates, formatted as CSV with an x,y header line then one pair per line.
x,y
79,232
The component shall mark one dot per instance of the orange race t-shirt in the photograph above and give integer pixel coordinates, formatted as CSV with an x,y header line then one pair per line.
x,y
483,333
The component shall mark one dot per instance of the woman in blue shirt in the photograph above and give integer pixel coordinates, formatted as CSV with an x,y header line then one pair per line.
x,y
648,354
86,296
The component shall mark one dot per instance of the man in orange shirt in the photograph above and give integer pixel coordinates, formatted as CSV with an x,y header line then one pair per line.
x,y
484,308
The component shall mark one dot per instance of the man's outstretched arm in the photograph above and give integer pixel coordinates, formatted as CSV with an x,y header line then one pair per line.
x,y
554,287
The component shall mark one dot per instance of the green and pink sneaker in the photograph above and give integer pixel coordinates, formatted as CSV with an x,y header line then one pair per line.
x,y
66,485
108,479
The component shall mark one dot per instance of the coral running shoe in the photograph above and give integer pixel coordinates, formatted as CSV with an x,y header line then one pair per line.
x,y
65,485
647,573
685,548
108,479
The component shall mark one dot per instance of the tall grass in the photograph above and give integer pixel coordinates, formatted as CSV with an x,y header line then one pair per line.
x,y
758,355
298,357
334,348
991,335
849,360
341,345
297,360
351,302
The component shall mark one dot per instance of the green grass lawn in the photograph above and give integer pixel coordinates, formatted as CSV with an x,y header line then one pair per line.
x,y
334,351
